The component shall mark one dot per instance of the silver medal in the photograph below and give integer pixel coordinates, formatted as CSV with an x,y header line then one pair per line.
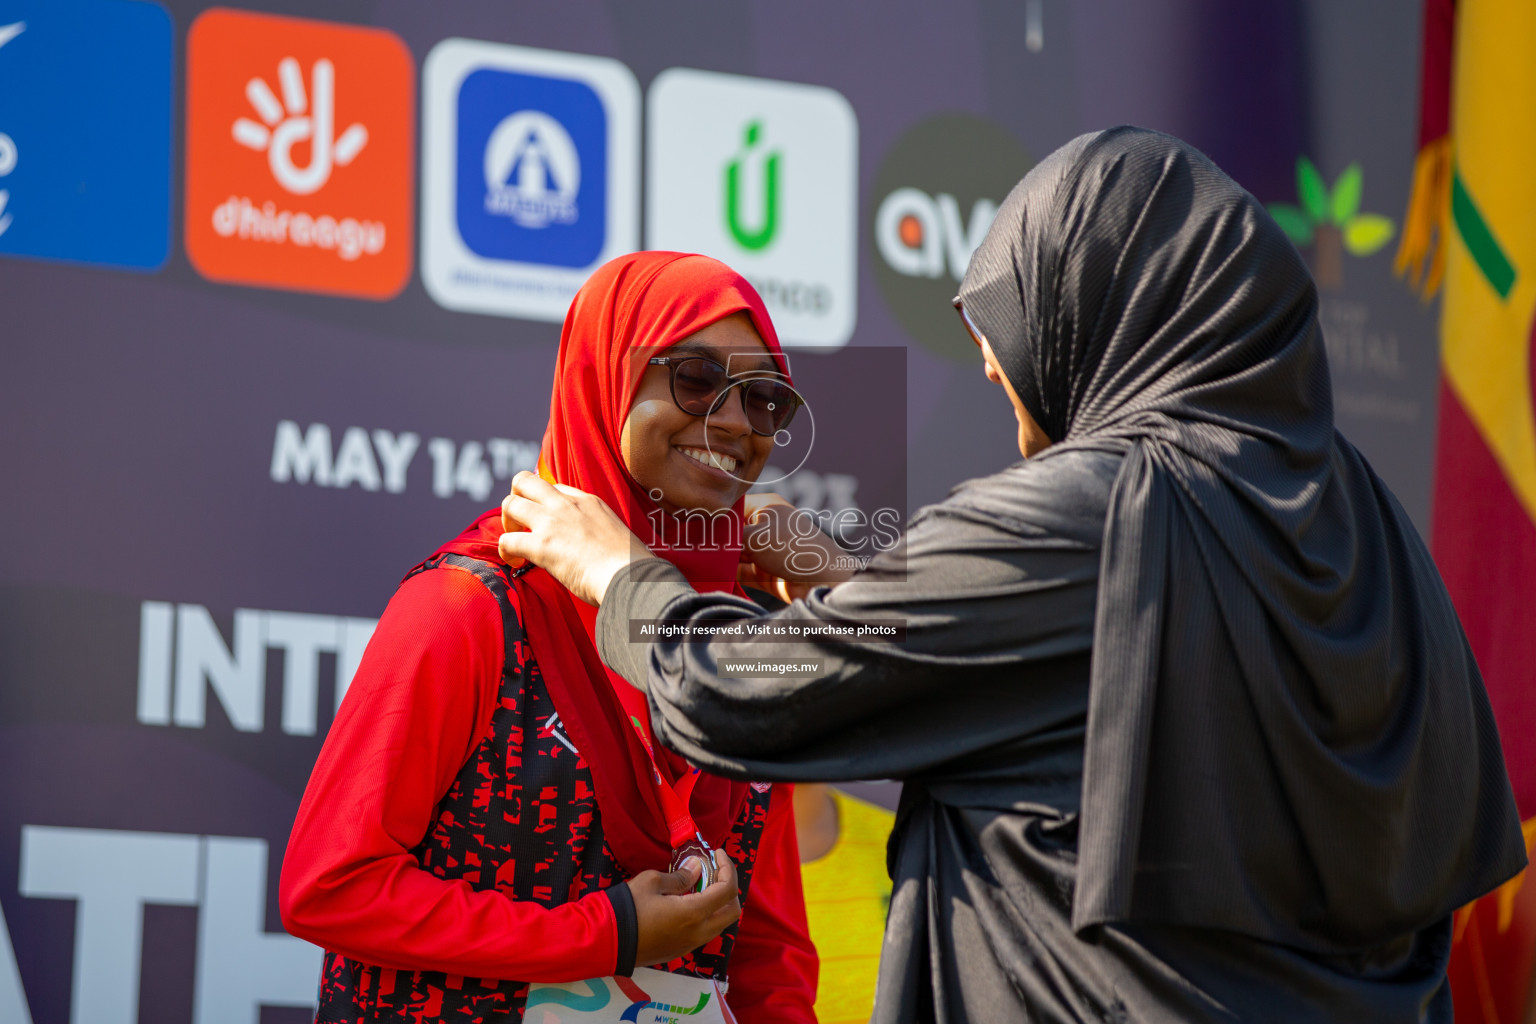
x,y
699,849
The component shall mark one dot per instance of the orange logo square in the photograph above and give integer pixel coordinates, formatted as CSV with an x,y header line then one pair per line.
x,y
300,142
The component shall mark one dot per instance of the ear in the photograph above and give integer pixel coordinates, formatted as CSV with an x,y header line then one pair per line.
x,y
990,361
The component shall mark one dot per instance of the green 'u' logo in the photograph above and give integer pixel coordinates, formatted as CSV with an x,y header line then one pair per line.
x,y
769,223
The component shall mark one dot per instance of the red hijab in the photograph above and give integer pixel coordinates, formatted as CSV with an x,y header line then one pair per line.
x,y
642,301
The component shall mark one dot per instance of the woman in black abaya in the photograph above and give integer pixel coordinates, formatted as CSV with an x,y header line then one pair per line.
x,y
1188,726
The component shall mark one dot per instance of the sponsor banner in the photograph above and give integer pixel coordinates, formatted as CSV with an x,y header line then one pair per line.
x,y
530,175
764,176
85,131
299,139
933,201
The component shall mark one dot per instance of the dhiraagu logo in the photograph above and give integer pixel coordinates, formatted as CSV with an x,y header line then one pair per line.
x,y
529,178
764,176
304,115
300,138
85,131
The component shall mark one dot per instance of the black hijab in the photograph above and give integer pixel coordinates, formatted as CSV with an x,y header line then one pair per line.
x,y
1287,735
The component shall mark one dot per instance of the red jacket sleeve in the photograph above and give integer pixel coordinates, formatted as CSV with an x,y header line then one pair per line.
x,y
418,705
773,964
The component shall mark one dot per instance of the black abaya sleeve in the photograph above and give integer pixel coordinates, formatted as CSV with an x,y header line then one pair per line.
x,y
996,587
983,711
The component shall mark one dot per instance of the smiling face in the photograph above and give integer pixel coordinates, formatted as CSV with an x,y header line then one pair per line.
x,y
698,462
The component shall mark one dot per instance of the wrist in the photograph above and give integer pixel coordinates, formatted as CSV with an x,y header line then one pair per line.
x,y
627,923
605,573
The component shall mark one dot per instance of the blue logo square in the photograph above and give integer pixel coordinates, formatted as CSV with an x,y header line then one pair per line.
x,y
85,131
532,182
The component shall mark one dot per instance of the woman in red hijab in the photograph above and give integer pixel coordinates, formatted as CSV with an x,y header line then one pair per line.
x,y
489,829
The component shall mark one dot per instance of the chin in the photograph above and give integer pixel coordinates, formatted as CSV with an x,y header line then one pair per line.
x,y
689,499
697,495
710,503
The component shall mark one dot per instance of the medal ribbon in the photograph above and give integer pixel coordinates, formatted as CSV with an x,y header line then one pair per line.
x,y
674,798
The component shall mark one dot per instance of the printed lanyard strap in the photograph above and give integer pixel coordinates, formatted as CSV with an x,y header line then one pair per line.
x,y
674,798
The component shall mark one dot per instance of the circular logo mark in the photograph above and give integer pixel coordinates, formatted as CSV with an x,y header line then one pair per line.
x,y
532,170
933,201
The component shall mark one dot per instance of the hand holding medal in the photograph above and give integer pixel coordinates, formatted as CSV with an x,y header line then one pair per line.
x,y
677,912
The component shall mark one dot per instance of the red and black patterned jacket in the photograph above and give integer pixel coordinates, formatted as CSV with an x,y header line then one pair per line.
x,y
449,848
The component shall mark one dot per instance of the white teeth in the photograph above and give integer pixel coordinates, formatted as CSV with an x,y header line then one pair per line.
x,y
715,459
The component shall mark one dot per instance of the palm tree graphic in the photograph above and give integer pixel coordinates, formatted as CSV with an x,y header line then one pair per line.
x,y
1331,221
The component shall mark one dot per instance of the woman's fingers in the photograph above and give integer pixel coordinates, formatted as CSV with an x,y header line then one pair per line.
x,y
518,519
726,900
672,919
725,870
526,511
722,919
510,522
719,893
717,907
532,486
572,535
682,881
514,546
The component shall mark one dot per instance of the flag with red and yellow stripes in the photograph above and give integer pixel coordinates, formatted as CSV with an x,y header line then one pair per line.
x,y
1471,230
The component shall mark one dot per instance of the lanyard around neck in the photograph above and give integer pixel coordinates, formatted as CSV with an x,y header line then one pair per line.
x,y
674,797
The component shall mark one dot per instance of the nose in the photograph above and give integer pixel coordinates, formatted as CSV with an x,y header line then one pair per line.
x,y
730,416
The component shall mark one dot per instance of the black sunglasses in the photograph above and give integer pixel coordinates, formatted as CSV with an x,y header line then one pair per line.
x,y
700,385
970,326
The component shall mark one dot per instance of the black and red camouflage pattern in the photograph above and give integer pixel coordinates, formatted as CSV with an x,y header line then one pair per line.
x,y
520,817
